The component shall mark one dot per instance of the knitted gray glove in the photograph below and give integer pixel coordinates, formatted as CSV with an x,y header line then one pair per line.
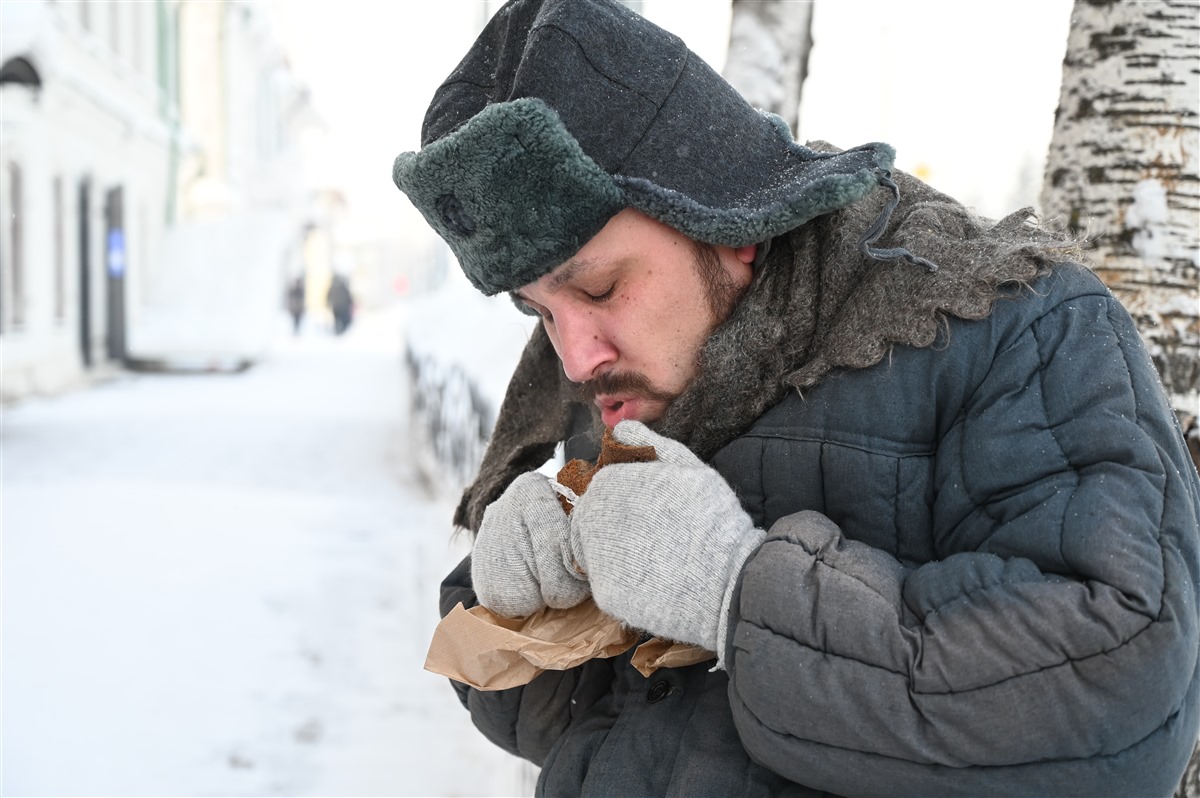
x,y
663,542
521,561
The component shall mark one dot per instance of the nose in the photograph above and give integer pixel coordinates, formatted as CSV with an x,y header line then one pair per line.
x,y
582,346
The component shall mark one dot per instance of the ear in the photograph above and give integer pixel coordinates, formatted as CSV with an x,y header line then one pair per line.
x,y
746,254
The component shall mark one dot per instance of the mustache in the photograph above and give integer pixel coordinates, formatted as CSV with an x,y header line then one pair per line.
x,y
629,382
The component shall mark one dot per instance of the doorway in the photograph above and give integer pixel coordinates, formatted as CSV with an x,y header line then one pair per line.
x,y
85,272
114,269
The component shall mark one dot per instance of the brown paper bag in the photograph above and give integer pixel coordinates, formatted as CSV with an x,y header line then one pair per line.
x,y
658,653
491,652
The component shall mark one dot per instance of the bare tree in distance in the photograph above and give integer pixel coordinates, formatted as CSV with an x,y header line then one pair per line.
x,y
1124,172
769,43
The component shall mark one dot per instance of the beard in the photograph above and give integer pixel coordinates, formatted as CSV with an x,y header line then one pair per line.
x,y
722,294
720,289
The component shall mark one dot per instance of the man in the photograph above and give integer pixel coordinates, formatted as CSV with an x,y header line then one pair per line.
x,y
341,303
917,487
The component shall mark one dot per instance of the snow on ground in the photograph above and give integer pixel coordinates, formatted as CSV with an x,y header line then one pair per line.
x,y
225,584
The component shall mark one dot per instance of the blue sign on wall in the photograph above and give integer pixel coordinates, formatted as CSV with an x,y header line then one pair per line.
x,y
116,252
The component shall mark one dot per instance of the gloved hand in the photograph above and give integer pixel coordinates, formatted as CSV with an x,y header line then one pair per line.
x,y
663,542
522,561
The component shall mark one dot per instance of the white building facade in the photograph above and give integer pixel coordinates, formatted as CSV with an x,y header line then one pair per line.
x,y
87,139
244,204
125,128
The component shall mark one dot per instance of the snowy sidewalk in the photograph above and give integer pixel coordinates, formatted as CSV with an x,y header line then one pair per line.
x,y
225,584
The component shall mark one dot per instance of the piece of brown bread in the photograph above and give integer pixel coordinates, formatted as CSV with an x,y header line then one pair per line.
x,y
577,474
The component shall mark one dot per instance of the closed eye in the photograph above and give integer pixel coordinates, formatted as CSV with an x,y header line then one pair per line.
x,y
603,296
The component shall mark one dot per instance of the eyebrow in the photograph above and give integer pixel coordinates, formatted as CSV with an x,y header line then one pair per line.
x,y
572,269
566,273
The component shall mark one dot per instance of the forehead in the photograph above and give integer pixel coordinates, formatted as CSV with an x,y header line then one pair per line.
x,y
629,235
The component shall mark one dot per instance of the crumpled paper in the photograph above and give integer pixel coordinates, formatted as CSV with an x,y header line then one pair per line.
x,y
490,652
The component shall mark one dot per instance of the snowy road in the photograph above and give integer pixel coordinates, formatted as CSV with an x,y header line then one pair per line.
x,y
225,584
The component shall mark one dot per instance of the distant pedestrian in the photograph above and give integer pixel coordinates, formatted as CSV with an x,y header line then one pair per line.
x,y
295,303
341,303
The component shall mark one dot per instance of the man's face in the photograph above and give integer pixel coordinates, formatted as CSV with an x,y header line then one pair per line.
x,y
629,313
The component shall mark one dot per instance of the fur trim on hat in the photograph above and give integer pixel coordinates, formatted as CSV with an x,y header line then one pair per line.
x,y
510,191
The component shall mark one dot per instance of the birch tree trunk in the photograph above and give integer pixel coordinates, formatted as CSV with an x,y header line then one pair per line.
x,y
769,42
1124,171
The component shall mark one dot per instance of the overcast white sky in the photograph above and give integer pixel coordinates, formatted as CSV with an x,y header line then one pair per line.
x,y
966,92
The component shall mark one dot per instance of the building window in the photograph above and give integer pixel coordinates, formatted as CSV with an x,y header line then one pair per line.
x,y
16,249
137,43
114,27
166,48
60,265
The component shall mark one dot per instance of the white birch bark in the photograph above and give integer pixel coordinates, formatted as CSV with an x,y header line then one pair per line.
x,y
769,42
1124,169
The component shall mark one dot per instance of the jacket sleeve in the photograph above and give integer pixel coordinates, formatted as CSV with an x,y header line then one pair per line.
x,y
526,721
1052,647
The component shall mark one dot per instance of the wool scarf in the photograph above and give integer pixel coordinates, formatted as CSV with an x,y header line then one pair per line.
x,y
817,303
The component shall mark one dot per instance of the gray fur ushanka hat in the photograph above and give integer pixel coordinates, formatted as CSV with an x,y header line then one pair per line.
x,y
564,112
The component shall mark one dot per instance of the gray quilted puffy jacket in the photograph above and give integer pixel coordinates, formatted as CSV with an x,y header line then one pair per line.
x,y
1005,602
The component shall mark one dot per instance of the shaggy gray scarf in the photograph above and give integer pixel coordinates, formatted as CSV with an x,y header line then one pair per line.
x,y
816,304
